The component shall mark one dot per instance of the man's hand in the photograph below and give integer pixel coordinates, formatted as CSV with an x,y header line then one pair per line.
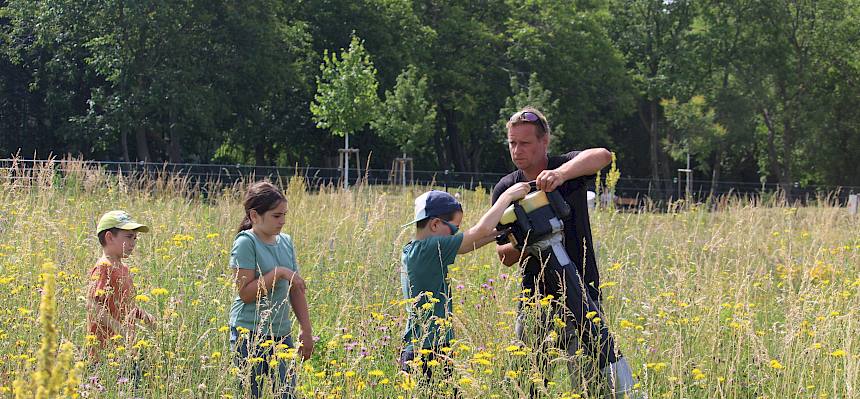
x,y
549,180
508,254
306,344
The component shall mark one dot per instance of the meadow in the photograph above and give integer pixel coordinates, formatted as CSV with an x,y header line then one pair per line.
x,y
756,300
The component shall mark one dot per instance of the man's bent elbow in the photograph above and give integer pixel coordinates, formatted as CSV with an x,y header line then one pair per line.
x,y
603,156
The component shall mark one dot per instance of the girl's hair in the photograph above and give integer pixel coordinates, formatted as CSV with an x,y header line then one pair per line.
x,y
261,196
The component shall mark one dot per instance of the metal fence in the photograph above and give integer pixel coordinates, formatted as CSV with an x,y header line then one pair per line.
x,y
315,177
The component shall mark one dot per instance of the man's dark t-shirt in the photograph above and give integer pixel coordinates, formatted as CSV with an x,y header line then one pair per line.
x,y
577,233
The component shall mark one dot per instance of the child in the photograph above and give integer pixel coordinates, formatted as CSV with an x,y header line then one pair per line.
x,y
425,263
111,309
266,278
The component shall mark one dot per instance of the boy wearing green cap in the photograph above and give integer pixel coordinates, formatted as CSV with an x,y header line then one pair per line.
x,y
111,310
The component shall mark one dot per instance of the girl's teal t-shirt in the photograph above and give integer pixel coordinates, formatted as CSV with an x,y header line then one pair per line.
x,y
270,315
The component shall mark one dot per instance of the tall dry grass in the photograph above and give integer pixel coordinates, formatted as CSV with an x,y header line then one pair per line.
x,y
757,300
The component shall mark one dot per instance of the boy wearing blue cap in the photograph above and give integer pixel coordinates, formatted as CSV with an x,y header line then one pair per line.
x,y
424,269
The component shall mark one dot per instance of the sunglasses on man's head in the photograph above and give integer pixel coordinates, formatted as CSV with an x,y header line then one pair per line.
x,y
531,117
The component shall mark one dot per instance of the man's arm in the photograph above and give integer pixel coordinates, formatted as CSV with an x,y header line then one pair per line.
x,y
586,163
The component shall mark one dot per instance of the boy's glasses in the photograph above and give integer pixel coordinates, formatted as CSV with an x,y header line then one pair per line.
x,y
454,229
531,117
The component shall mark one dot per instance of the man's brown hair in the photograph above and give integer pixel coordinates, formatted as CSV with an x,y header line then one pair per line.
x,y
521,117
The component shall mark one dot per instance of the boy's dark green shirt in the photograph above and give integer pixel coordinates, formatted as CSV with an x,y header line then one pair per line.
x,y
424,268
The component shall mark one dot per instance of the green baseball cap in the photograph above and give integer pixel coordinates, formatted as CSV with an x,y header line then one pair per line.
x,y
119,220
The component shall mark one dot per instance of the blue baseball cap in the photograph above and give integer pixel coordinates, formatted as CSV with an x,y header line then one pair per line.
x,y
434,203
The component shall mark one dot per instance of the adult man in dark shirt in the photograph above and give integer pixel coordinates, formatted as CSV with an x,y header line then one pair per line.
x,y
528,141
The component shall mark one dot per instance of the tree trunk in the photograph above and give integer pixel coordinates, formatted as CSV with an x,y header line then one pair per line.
x,y
649,121
174,148
123,140
475,158
772,159
718,164
142,145
665,172
454,141
438,143
259,154
787,178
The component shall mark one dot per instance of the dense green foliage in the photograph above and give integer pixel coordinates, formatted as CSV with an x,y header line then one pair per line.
x,y
204,81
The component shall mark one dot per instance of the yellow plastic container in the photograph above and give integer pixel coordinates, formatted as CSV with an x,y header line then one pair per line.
x,y
532,201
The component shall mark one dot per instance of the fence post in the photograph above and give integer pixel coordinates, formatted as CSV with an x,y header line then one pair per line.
x,y
853,203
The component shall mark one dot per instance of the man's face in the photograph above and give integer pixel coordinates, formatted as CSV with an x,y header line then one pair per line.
x,y
527,150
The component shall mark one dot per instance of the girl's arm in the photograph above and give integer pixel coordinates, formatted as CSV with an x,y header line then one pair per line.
x,y
251,287
299,302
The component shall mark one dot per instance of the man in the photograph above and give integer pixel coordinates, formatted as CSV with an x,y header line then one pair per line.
x,y
528,141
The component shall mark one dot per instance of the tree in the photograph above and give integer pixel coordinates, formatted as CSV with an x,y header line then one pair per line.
x,y
695,133
465,81
567,44
46,79
346,98
152,57
407,116
533,94
264,73
654,36
718,45
838,142
787,71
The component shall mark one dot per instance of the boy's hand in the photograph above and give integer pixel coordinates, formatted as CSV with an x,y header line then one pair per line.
x,y
517,191
146,317
306,345
142,315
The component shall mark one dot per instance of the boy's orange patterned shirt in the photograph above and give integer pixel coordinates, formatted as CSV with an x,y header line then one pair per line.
x,y
112,288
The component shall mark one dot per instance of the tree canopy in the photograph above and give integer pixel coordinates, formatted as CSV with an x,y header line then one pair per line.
x,y
763,90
